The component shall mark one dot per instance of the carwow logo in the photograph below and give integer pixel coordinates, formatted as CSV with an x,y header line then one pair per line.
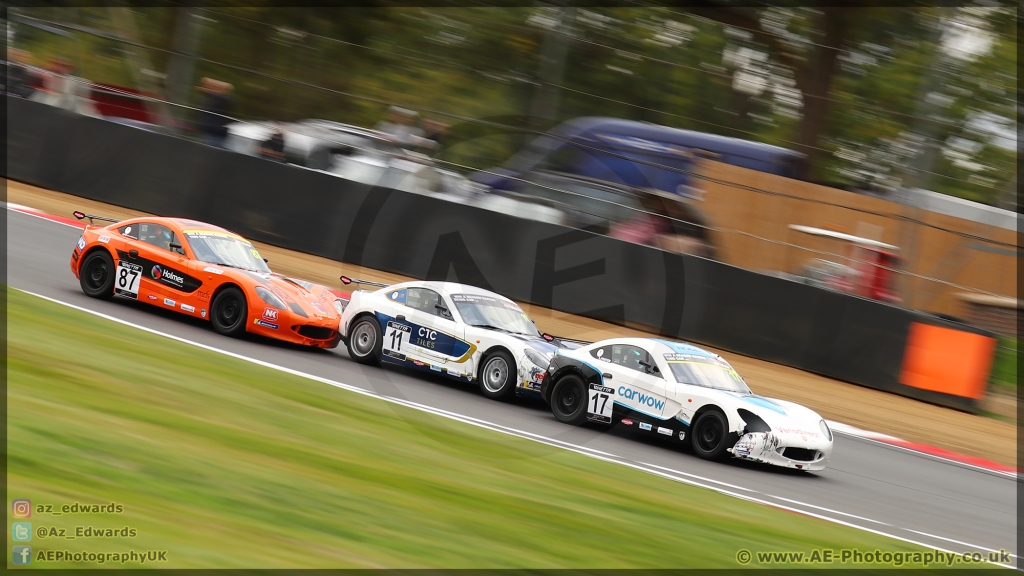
x,y
640,397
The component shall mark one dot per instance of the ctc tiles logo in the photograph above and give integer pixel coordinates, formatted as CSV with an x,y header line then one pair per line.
x,y
21,508
21,555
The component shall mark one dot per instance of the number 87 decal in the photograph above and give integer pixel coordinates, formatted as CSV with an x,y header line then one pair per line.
x,y
128,276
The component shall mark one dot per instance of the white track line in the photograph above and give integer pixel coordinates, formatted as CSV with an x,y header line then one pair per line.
x,y
675,475
38,214
926,454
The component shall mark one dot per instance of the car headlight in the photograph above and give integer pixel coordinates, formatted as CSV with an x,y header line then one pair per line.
x,y
270,298
537,358
825,430
339,305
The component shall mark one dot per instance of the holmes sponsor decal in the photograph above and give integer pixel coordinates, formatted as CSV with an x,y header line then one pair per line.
x,y
167,276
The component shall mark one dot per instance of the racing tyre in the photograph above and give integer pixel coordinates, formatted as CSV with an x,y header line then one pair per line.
x,y
569,400
229,312
710,435
365,342
498,376
96,275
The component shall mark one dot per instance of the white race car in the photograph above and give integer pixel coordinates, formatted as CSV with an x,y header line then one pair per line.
x,y
460,331
685,393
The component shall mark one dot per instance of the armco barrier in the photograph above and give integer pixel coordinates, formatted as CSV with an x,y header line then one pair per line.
x,y
570,270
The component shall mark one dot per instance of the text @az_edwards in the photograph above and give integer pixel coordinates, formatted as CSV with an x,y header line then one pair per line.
x,y
875,557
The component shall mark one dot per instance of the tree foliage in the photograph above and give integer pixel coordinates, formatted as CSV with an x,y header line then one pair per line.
x,y
849,87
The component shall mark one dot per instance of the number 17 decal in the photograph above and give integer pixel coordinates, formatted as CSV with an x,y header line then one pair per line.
x,y
600,403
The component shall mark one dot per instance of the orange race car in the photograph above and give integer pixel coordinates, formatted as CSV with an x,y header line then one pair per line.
x,y
203,271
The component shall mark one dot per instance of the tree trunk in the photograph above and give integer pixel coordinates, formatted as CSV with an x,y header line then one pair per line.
x,y
815,83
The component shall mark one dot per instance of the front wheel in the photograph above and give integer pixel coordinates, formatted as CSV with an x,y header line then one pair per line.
x,y
710,435
498,376
229,312
364,341
96,275
569,400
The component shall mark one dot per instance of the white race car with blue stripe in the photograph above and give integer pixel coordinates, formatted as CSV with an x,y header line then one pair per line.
x,y
460,331
685,393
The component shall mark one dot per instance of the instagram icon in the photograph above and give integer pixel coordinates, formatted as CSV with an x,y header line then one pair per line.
x,y
21,508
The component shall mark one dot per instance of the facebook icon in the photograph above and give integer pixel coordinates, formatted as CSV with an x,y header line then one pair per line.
x,y
22,555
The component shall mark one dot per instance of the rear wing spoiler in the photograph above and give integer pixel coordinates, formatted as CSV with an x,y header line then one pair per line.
x,y
551,338
81,215
346,281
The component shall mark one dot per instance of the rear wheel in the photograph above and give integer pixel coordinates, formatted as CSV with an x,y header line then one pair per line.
x,y
498,376
96,275
364,341
569,400
710,435
229,312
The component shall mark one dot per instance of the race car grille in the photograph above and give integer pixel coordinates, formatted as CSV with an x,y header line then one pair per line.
x,y
316,332
801,454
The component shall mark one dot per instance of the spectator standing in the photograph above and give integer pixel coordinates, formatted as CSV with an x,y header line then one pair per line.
x,y
273,148
436,131
18,80
214,116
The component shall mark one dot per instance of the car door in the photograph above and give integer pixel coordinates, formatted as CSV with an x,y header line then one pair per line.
x,y
165,268
637,385
422,328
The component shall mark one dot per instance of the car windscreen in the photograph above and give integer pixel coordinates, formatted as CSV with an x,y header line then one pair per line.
x,y
480,310
224,249
705,371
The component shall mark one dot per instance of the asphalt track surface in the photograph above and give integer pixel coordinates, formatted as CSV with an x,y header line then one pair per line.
x,y
907,495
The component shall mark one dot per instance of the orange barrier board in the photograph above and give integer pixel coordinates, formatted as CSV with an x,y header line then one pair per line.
x,y
947,361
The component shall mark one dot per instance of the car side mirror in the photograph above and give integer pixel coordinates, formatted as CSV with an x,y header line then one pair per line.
x,y
265,260
133,253
176,248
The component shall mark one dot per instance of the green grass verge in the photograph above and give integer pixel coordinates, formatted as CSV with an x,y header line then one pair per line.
x,y
224,463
